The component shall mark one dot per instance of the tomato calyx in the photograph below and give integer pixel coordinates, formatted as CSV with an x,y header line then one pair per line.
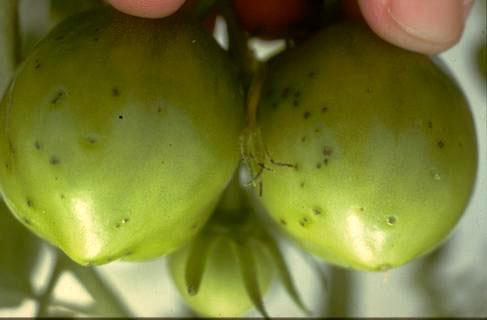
x,y
236,223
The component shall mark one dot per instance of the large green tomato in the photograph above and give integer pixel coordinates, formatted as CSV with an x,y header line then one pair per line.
x,y
118,135
379,144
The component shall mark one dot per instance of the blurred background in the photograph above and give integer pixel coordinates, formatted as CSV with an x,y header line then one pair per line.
x,y
451,281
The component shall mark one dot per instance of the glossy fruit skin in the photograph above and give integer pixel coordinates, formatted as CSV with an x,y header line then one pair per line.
x,y
111,135
383,144
222,292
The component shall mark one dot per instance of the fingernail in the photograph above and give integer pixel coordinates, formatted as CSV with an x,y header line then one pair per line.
x,y
436,21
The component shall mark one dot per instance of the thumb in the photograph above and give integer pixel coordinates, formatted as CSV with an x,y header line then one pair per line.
x,y
427,26
147,8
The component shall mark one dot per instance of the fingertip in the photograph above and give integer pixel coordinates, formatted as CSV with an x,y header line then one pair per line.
x,y
426,26
147,8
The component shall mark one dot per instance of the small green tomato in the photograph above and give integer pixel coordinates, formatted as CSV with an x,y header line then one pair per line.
x,y
380,146
229,267
118,135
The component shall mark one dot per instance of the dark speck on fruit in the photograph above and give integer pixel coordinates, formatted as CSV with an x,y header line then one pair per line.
x,y
306,115
37,145
325,161
318,165
441,144
327,151
54,160
191,290
91,140
304,221
29,203
37,64
302,184
283,222
115,92
120,116
391,220
317,211
303,139
430,124
57,97
324,109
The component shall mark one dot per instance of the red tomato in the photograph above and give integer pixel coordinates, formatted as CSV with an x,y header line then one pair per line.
x,y
270,17
350,9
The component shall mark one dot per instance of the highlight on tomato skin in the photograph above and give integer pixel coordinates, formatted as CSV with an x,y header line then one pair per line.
x,y
269,18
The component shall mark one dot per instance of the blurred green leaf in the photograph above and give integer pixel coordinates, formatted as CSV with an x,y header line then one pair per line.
x,y
19,250
8,41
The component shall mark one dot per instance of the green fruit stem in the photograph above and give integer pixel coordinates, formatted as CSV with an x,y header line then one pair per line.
x,y
9,41
106,301
45,298
341,292
238,46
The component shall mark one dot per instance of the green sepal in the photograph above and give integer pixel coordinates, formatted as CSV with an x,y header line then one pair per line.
x,y
284,274
195,267
250,275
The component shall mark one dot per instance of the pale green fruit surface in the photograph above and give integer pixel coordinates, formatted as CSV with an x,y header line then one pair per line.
x,y
383,145
118,135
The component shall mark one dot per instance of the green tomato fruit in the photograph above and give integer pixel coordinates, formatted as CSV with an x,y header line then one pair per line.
x,y
215,272
19,253
381,143
118,135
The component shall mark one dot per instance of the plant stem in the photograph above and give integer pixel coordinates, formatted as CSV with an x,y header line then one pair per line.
x,y
9,41
340,294
45,298
107,302
238,47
